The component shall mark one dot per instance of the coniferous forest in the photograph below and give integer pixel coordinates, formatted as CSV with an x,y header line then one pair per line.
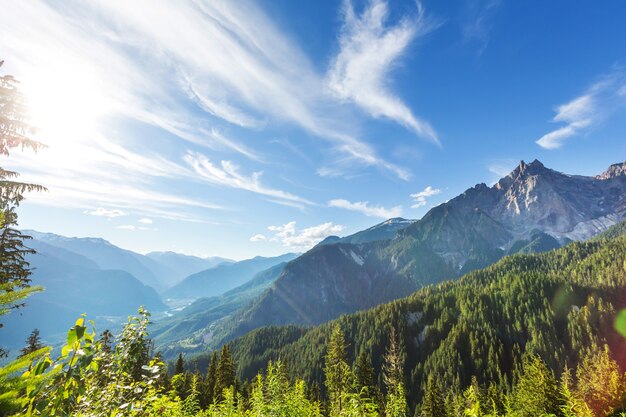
x,y
188,188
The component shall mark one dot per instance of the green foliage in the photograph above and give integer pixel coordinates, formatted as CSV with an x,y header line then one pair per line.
x,y
536,393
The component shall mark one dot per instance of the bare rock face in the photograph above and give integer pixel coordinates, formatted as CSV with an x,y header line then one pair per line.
x,y
563,206
614,170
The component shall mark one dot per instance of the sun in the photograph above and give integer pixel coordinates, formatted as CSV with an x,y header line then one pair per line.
x,y
66,102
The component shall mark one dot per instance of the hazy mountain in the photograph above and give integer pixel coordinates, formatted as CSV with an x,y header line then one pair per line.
x,y
108,256
224,277
74,285
185,329
185,265
532,209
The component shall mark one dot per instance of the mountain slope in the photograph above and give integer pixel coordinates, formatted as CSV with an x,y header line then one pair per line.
x,y
224,277
186,329
532,209
185,265
553,304
73,286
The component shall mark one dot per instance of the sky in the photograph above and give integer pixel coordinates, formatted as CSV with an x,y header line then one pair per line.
x,y
240,128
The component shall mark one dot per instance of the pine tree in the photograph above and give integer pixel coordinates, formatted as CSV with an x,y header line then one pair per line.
x,y
337,371
180,365
225,375
571,405
393,376
208,388
364,375
14,133
433,403
33,344
536,392
600,383
393,364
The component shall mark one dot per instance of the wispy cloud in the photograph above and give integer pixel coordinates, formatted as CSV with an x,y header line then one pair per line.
x,y
477,21
103,212
145,220
588,110
367,209
420,199
227,174
290,236
178,94
369,48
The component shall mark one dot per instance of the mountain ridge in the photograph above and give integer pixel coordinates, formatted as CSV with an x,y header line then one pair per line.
x,y
534,208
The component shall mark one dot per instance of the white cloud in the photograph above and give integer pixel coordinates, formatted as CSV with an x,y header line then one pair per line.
x,y
126,227
228,175
110,213
368,51
419,199
365,208
587,110
145,220
306,238
258,238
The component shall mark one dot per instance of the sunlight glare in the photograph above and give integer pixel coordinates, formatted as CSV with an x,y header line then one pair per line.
x,y
65,103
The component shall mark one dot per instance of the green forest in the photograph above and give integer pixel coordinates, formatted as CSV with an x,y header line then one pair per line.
x,y
533,335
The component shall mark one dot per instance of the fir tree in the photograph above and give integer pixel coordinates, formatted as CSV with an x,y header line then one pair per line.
x,y
364,375
433,404
225,374
393,376
33,344
600,382
14,133
180,365
337,371
536,392
208,389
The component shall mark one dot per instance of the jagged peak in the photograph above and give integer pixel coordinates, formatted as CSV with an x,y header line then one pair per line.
x,y
615,170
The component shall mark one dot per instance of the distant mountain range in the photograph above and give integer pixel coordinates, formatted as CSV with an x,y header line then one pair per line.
x,y
185,265
224,277
74,284
532,209
93,276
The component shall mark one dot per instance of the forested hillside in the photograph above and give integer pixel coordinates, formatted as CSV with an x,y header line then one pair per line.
x,y
532,209
558,305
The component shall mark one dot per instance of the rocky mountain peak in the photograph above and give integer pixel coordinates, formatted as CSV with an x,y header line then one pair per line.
x,y
521,173
613,171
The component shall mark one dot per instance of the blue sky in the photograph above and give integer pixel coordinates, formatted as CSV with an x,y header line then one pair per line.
x,y
255,128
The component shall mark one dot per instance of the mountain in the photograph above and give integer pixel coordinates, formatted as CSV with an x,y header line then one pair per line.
x,y
556,305
74,285
108,256
185,265
221,278
532,209
185,329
